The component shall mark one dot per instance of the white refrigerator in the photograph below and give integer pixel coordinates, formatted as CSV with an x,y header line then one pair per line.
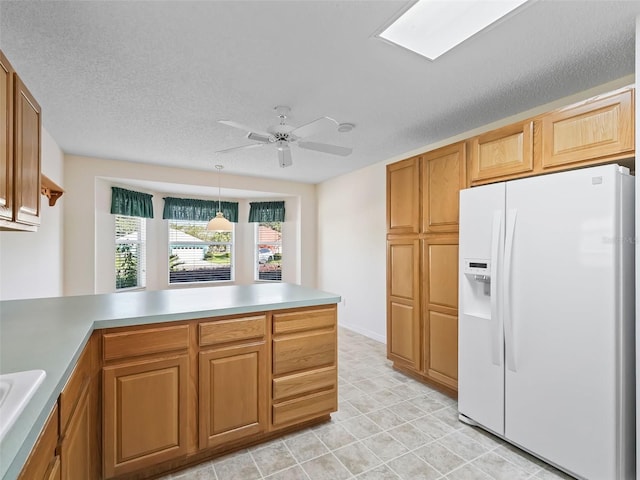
x,y
546,329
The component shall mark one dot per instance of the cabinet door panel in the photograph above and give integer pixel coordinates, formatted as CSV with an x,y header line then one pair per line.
x,y
145,413
6,139
598,128
233,393
443,348
44,451
27,155
443,175
442,274
403,196
504,152
440,317
76,451
403,302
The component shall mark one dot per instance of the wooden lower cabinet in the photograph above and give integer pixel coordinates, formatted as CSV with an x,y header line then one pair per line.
x,y
233,393
403,302
305,357
145,413
41,463
440,310
75,446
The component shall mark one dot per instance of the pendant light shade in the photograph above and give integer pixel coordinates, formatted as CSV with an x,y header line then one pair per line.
x,y
219,223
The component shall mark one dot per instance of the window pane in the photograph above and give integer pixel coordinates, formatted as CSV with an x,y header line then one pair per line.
x,y
199,255
130,249
269,251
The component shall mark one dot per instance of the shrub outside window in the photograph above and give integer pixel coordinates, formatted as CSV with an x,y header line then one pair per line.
x,y
130,239
199,255
269,251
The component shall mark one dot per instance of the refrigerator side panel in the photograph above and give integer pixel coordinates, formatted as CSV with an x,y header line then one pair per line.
x,y
561,397
480,333
625,243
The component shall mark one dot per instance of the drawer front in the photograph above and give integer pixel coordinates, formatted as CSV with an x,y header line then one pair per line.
x,y
77,381
222,331
306,382
301,352
144,342
304,320
305,408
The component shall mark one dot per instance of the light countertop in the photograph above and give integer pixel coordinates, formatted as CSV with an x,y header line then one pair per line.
x,y
50,334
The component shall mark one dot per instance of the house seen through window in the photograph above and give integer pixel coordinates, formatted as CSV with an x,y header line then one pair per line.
x,y
130,252
269,251
199,255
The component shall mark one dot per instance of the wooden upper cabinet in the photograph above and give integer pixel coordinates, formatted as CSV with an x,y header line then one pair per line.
x,y
591,130
443,175
504,152
403,196
6,139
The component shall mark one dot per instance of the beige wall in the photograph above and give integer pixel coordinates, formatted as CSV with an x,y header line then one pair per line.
x,y
31,263
89,227
352,229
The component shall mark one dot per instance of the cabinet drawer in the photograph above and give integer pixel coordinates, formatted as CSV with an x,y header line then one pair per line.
x,y
75,386
300,383
304,320
300,352
222,331
305,408
144,342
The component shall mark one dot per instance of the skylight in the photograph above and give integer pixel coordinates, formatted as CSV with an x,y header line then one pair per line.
x,y
433,27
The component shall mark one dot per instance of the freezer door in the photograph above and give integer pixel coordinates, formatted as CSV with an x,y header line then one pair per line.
x,y
562,319
480,331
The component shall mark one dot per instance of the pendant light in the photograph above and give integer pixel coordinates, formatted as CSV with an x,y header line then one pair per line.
x,y
219,223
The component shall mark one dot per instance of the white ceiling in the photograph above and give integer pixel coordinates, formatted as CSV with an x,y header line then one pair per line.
x,y
148,81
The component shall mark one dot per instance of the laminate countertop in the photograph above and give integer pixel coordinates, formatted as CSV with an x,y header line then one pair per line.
x,y
50,334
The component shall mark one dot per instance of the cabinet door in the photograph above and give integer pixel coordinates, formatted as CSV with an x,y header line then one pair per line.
x,y
144,413
440,319
502,153
403,302
27,156
403,196
38,465
76,452
233,393
6,139
443,175
598,128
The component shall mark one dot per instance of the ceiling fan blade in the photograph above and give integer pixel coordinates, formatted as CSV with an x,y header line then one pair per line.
x,y
326,148
233,124
242,147
284,155
312,127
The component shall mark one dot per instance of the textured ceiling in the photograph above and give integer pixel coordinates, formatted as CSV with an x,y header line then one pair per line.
x,y
148,81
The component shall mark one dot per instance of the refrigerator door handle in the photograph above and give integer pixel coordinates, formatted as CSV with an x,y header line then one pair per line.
x,y
512,215
496,337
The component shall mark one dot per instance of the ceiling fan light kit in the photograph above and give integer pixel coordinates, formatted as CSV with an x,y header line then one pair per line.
x,y
284,135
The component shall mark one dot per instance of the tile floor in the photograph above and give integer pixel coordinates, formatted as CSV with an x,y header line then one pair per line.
x,y
387,427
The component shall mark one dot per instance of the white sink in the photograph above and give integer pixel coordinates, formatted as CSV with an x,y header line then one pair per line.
x,y
16,389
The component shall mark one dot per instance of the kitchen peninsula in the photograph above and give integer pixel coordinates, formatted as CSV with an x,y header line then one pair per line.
x,y
139,383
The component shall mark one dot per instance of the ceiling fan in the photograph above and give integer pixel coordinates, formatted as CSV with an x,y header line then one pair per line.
x,y
282,135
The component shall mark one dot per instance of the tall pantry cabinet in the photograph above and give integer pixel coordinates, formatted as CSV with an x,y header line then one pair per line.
x,y
422,264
